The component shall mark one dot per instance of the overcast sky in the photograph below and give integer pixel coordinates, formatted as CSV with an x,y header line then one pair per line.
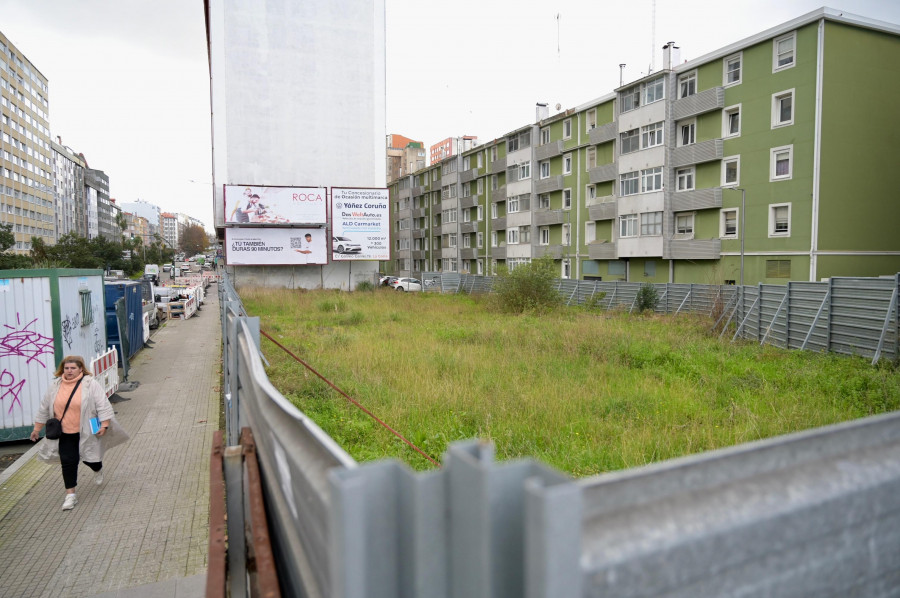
x,y
129,79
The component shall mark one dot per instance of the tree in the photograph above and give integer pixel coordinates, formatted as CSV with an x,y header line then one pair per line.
x,y
529,288
193,240
7,238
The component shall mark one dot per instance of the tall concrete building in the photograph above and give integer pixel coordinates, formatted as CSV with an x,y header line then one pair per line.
x,y
68,184
451,146
404,156
100,216
147,210
26,157
764,162
171,229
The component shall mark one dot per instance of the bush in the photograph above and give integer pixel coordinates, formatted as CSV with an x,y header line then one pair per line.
x,y
647,298
365,285
528,288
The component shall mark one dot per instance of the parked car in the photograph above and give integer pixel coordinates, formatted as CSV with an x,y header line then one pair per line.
x,y
345,245
407,284
385,281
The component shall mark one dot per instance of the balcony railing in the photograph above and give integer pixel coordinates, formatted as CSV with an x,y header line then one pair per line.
x,y
698,199
548,150
603,211
436,230
419,254
468,175
550,184
603,173
418,212
468,227
498,165
548,217
699,103
468,254
602,134
697,153
498,194
469,202
498,223
602,250
555,251
419,233
417,191
403,193
498,253
692,249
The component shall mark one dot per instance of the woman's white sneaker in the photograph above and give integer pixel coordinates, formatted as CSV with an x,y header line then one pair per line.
x,y
98,477
70,502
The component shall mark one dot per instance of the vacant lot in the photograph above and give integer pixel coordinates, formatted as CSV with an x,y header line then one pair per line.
x,y
585,392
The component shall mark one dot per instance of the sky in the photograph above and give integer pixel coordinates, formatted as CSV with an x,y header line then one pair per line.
x,y
129,79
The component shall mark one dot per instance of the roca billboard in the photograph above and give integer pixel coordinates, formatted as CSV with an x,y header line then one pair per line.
x,y
259,206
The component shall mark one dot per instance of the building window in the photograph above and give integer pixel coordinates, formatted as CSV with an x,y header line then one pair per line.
x,y
479,240
493,238
545,170
651,224
545,135
467,189
479,213
494,182
544,201
494,210
544,235
87,310
566,235
467,215
630,99
479,264
783,52
590,192
687,84
778,268
781,163
728,224
493,153
524,170
590,232
467,163
684,225
731,121
780,220
651,179
567,199
630,141
628,225
480,185
512,236
628,183
684,179
480,159
567,129
733,70
654,90
512,205
451,240
590,157
687,133
783,108
566,269
731,171
525,234
591,116
567,164
652,135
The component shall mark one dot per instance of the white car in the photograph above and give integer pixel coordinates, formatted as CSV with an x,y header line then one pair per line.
x,y
407,284
345,245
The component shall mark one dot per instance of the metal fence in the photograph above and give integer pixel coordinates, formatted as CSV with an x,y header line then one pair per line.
x,y
850,316
815,513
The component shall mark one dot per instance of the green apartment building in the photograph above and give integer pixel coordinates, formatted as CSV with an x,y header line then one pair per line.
x,y
765,161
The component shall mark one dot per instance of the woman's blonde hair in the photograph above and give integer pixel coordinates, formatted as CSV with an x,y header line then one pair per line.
x,y
77,360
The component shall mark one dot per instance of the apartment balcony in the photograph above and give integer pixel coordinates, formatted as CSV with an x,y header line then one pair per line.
x,y
602,250
498,194
418,212
403,213
603,211
697,153
468,254
548,150
403,193
692,249
603,173
469,202
603,133
550,184
547,217
417,191
699,103
498,223
468,227
449,179
468,175
420,233
498,253
554,251
698,199
498,165
419,254
437,230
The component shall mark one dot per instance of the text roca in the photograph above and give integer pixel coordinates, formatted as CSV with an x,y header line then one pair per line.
x,y
307,197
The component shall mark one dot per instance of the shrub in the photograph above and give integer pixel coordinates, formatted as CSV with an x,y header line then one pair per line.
x,y
365,285
528,288
647,298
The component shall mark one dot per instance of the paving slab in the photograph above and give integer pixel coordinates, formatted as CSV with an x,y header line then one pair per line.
x,y
143,533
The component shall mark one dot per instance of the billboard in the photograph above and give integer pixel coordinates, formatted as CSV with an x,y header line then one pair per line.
x,y
360,224
255,205
247,246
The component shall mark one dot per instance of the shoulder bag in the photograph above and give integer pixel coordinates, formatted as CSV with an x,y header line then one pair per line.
x,y
54,426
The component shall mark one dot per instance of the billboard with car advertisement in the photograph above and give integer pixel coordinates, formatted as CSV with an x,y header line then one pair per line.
x,y
245,246
360,224
259,206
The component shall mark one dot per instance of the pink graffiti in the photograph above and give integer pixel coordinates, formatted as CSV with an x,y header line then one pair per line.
x,y
13,389
21,342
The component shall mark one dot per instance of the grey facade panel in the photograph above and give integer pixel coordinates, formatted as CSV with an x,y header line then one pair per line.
x,y
603,134
699,103
603,173
602,211
698,199
697,153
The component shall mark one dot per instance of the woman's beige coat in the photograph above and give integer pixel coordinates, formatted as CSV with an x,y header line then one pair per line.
x,y
93,404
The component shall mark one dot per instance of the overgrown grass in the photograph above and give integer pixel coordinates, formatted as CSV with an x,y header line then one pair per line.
x,y
581,390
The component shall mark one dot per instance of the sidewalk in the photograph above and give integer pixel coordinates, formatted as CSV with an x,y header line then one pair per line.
x,y
143,533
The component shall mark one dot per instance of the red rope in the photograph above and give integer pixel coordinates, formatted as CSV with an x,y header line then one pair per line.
x,y
349,398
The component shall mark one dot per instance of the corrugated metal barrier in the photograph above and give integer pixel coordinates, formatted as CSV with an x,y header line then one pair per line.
x,y
811,514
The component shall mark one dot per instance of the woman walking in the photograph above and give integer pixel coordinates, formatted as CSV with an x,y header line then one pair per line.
x,y
74,398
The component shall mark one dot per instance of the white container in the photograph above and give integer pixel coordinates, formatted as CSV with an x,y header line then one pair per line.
x,y
45,315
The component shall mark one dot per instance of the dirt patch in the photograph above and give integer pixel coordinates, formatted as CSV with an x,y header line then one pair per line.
x,y
8,459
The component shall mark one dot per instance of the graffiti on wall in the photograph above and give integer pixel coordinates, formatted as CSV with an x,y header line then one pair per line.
x,y
24,341
69,325
10,389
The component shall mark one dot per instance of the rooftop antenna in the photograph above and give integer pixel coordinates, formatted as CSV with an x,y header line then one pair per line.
x,y
621,74
653,38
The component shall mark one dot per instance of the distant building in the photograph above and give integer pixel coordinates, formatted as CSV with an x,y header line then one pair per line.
x,y
68,185
404,156
99,211
451,146
26,158
147,210
138,228
170,229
